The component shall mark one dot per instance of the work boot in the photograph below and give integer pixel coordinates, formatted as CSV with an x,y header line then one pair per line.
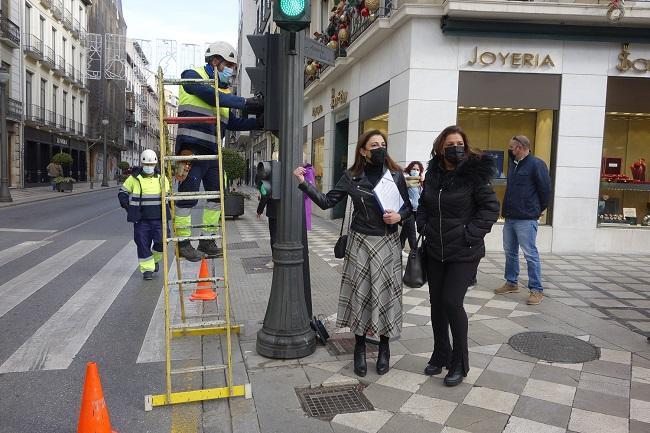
x,y
535,297
360,366
210,248
507,288
147,275
383,358
187,252
455,375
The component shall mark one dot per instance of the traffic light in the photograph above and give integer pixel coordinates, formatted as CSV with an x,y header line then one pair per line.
x,y
292,15
268,179
265,76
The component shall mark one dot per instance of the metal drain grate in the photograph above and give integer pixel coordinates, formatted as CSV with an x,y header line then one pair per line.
x,y
554,347
345,345
327,402
243,245
255,265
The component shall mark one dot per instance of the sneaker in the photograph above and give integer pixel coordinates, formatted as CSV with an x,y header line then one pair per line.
x,y
210,248
187,252
507,288
147,275
535,297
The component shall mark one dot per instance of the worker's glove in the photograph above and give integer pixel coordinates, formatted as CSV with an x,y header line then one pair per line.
x,y
254,105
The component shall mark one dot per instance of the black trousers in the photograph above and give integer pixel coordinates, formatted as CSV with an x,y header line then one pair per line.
x,y
409,232
447,287
273,230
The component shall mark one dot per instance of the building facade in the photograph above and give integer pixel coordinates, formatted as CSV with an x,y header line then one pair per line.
x,y
108,96
411,68
55,87
11,60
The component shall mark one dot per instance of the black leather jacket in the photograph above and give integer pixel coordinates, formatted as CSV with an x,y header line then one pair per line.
x,y
367,217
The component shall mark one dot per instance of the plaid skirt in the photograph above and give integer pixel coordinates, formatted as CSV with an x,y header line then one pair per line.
x,y
370,301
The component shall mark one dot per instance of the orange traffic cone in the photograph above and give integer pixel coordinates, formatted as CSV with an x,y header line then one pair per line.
x,y
93,417
204,290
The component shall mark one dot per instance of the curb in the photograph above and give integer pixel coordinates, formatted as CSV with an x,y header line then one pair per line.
x,y
21,203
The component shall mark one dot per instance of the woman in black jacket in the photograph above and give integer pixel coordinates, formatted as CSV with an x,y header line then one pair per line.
x,y
457,209
370,301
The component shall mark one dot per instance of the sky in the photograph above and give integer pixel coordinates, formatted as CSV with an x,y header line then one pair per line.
x,y
186,21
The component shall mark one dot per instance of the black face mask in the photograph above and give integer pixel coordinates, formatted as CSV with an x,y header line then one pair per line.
x,y
454,154
378,156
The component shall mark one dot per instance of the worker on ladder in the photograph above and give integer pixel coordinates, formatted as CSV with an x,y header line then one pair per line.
x,y
140,196
198,100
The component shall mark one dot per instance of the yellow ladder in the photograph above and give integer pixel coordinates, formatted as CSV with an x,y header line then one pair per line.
x,y
186,327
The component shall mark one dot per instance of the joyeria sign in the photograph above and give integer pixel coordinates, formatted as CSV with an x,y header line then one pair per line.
x,y
514,60
625,64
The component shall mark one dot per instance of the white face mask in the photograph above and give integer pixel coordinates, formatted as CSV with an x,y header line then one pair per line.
x,y
148,169
415,173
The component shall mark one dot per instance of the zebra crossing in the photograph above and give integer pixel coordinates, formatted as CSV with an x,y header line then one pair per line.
x,y
60,338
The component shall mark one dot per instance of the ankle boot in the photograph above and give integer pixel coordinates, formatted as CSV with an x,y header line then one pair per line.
x,y
383,358
360,366
455,375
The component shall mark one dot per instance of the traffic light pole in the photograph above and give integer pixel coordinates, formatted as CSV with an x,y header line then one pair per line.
x,y
286,333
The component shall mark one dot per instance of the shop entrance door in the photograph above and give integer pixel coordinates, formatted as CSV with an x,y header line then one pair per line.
x,y
340,163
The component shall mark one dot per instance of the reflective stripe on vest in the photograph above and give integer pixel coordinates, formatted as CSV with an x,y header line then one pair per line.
x,y
189,102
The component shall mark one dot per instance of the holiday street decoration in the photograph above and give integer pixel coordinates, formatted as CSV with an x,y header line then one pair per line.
x,y
616,10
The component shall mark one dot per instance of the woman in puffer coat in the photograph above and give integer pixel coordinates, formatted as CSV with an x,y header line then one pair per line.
x,y
457,209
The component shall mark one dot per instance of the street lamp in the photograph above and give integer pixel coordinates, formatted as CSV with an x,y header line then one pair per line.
x,y
5,195
105,168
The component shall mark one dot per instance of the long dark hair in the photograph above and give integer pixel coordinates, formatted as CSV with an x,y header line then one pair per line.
x,y
439,143
409,167
360,161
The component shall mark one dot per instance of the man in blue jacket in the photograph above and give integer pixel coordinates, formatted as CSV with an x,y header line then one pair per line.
x,y
528,190
199,100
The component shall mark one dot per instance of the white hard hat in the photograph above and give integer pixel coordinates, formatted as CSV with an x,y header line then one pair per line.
x,y
148,157
223,49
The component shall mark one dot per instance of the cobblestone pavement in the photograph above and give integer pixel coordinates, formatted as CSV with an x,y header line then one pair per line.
x,y
601,300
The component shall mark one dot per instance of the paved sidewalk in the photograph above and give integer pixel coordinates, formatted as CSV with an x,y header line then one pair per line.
x,y
39,193
597,299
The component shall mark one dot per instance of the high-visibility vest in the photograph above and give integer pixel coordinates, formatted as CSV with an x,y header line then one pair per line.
x,y
192,106
144,196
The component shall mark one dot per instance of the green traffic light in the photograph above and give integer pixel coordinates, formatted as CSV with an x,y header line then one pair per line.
x,y
292,8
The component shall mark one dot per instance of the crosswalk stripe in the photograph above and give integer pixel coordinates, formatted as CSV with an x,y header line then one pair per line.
x,y
15,291
153,345
6,229
17,251
55,344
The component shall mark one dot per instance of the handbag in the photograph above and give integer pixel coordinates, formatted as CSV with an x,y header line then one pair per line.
x,y
319,329
414,275
342,242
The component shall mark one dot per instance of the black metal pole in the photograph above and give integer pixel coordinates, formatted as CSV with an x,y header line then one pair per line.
x,y
5,194
286,332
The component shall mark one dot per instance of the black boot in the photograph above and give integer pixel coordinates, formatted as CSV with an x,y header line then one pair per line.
x,y
383,358
455,375
360,366
210,248
186,251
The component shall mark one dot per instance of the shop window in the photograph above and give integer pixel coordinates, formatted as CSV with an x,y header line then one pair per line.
x,y
318,151
373,109
378,122
491,128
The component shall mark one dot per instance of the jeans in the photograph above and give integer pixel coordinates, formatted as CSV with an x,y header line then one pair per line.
x,y
516,234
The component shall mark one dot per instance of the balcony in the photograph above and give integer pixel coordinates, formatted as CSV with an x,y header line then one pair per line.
x,y
14,110
69,73
47,3
57,9
50,119
129,118
76,28
61,123
35,114
33,47
9,32
48,61
67,20
59,68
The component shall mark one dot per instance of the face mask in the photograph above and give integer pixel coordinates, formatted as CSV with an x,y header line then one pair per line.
x,y
378,156
454,154
415,173
148,169
224,76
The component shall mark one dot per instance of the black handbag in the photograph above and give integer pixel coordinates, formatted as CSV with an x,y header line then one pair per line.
x,y
319,329
342,242
415,276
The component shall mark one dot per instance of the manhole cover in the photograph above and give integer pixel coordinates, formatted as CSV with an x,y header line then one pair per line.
x,y
327,402
243,245
256,265
345,345
554,347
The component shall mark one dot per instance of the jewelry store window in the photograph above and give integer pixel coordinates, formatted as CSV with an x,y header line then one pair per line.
x,y
494,107
373,109
624,198
318,151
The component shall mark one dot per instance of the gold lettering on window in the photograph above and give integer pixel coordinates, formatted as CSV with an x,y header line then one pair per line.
x,y
514,60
